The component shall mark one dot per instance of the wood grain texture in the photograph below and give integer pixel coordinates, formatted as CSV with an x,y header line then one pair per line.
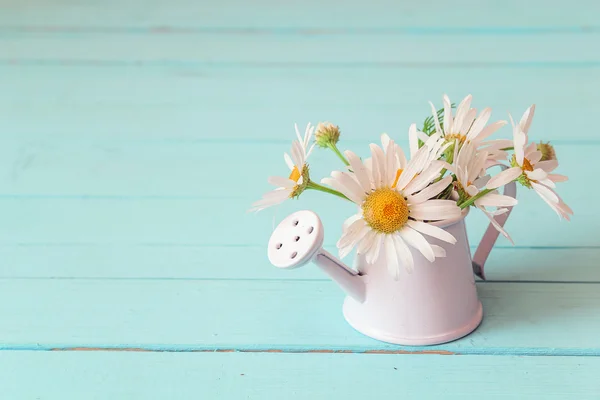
x,y
510,15
310,49
135,134
117,376
195,261
281,315
108,103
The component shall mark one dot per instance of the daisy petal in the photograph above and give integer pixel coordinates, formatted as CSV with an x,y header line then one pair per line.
x,y
504,177
356,231
337,185
379,172
280,181
548,165
416,240
359,170
288,161
496,200
537,174
557,177
468,121
350,184
529,149
479,123
413,168
491,129
438,128
545,192
391,162
438,251
413,139
400,157
365,244
391,255
350,220
534,157
300,140
424,178
309,152
461,112
344,251
297,154
385,140
269,199
430,191
374,252
432,230
435,210
547,182
527,118
495,223
404,255
448,125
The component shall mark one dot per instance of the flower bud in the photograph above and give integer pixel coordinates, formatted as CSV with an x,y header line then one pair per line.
x,y
327,134
547,151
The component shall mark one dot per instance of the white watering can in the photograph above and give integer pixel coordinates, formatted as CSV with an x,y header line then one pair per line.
x,y
435,303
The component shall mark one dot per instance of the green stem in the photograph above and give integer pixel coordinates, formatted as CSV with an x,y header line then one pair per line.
x,y
333,147
316,186
472,200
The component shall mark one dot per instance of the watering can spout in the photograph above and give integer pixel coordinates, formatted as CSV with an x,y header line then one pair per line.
x,y
349,280
298,240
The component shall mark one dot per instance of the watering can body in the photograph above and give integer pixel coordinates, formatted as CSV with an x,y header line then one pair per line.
x,y
436,302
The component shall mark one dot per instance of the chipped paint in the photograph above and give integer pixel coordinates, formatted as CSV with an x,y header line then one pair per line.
x,y
314,351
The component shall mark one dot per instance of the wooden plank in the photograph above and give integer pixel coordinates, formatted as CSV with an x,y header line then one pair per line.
x,y
520,318
117,375
188,261
258,48
577,15
199,104
224,221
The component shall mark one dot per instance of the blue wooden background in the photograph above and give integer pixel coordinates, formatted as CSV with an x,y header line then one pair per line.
x,y
135,134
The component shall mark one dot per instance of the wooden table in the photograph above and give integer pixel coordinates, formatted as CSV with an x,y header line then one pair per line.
x,y
135,135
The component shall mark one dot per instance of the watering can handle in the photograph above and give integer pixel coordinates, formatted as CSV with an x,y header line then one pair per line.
x,y
491,234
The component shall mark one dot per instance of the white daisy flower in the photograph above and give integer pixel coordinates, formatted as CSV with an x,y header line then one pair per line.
x,y
394,203
529,170
296,182
465,126
469,168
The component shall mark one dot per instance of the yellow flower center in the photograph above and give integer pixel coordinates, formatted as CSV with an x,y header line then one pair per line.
x,y
295,175
385,210
526,165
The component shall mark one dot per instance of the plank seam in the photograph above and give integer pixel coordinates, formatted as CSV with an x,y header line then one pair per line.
x,y
325,350
298,65
301,31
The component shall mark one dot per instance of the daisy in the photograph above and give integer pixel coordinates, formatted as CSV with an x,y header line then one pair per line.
x,y
469,168
394,203
466,125
298,179
530,171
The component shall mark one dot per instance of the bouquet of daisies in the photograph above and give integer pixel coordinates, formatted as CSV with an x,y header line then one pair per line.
x,y
445,172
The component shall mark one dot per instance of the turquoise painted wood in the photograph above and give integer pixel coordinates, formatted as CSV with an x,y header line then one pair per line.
x,y
188,261
276,315
195,103
119,375
135,135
